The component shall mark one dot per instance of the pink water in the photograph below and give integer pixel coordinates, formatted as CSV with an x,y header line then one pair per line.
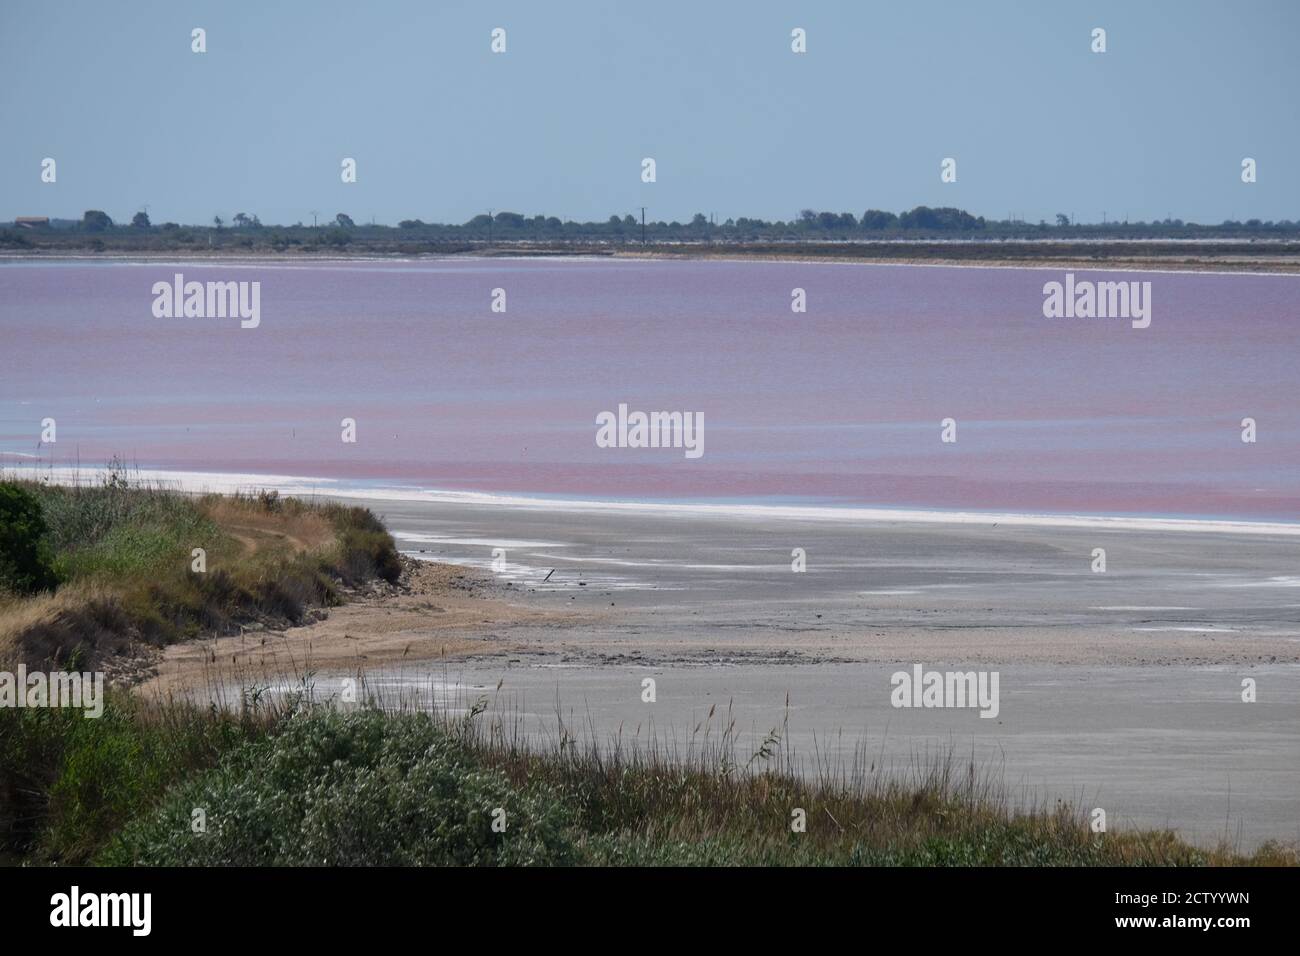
x,y
841,404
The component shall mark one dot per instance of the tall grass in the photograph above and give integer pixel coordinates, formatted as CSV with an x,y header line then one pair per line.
x,y
287,779
124,548
67,783
120,528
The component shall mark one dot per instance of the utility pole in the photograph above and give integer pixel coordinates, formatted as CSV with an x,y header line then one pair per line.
x,y
313,218
489,228
643,225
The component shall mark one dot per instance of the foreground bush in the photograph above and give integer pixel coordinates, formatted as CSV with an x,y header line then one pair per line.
x,y
25,562
359,789
288,783
67,782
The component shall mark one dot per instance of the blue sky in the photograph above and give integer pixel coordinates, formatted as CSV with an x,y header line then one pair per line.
x,y
443,129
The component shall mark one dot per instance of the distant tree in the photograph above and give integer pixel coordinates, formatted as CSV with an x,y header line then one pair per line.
x,y
140,220
217,221
942,219
410,224
1062,219
878,219
95,220
345,221
25,564
833,223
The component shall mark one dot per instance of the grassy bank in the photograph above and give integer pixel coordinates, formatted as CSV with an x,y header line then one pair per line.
x,y
126,567
295,784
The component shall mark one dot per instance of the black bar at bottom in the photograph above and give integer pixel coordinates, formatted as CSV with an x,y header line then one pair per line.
x,y
332,906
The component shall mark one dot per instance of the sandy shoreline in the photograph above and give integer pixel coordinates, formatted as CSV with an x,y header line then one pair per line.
x,y
1123,687
1120,689
437,612
451,614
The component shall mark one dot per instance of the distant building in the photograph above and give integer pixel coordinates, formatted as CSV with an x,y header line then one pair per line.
x,y
32,222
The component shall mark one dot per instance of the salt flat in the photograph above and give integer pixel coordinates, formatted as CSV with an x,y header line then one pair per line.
x,y
1120,689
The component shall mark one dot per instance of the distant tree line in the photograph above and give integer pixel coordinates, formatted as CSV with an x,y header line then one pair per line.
x,y
922,222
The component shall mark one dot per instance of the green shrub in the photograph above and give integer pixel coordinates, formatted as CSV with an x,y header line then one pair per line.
x,y
25,563
367,553
358,789
67,782
115,530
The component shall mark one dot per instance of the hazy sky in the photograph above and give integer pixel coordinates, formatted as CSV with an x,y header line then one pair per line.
x,y
442,128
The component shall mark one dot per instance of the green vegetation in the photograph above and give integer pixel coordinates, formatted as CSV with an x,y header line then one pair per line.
x,y
295,784
246,233
360,789
68,782
96,220
25,562
123,557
